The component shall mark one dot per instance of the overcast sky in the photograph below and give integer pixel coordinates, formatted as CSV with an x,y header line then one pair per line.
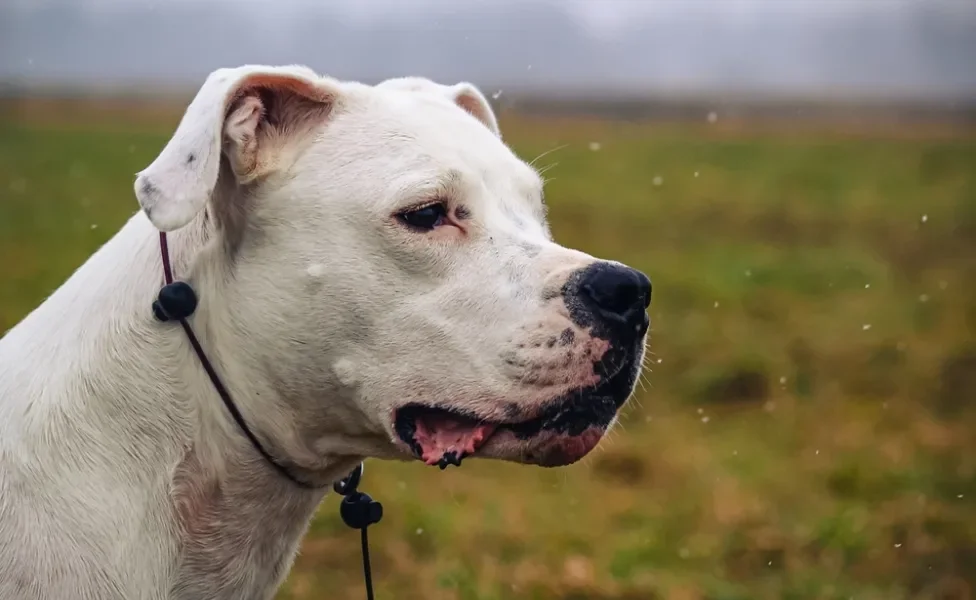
x,y
805,47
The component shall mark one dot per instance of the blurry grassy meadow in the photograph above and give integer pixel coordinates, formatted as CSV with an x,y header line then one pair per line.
x,y
808,430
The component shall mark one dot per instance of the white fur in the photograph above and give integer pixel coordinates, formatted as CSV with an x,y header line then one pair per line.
x,y
122,476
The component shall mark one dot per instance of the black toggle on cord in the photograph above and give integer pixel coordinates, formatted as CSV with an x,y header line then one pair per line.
x,y
176,302
359,511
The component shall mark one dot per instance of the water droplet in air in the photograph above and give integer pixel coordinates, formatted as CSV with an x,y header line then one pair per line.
x,y
658,180
705,419
496,95
419,531
925,218
712,117
923,298
897,545
696,173
866,326
594,146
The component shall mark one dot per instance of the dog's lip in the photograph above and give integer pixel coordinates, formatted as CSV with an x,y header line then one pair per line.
x,y
529,441
585,412
563,420
407,419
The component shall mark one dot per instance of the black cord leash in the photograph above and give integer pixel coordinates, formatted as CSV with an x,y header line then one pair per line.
x,y
176,302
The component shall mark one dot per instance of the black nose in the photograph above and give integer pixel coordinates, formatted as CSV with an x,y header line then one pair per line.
x,y
618,294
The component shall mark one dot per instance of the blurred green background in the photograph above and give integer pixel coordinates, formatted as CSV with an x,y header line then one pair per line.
x,y
807,427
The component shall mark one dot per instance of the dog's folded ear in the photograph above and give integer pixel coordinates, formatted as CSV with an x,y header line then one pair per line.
x,y
470,98
252,115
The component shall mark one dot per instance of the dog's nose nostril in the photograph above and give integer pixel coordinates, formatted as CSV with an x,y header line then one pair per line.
x,y
619,293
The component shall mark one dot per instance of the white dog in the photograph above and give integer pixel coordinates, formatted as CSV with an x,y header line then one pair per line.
x,y
375,279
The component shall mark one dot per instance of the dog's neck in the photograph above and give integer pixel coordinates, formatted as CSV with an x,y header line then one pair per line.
x,y
226,524
239,520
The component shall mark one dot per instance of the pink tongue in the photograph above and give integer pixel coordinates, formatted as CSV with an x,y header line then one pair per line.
x,y
440,435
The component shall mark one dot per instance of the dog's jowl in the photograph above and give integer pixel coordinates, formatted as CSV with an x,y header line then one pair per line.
x,y
374,278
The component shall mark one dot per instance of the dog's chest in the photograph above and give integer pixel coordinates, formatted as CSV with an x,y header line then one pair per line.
x,y
238,538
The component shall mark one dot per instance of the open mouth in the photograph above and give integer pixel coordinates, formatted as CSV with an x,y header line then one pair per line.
x,y
439,436
443,437
562,431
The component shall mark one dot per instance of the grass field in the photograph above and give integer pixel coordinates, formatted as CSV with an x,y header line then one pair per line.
x,y
809,428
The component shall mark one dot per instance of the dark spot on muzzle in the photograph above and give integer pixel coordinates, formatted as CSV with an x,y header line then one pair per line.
x,y
148,189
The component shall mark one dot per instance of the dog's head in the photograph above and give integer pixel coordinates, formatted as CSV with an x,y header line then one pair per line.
x,y
388,258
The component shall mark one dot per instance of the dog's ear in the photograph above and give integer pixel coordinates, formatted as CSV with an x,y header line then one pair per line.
x,y
251,115
470,98
463,94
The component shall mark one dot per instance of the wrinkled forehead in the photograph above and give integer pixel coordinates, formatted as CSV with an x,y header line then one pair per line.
x,y
429,148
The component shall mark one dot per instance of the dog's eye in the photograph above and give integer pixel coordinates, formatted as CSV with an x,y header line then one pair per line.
x,y
425,218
